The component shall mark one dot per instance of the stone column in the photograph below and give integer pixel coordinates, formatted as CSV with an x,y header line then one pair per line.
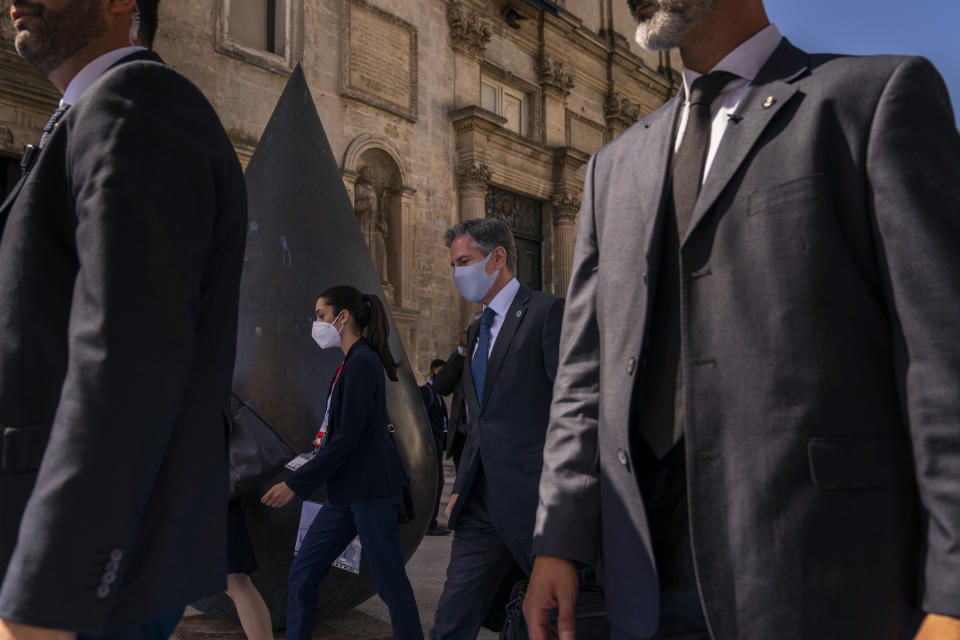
x,y
556,81
565,208
472,181
408,204
469,34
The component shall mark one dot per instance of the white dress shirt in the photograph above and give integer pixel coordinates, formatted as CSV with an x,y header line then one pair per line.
x,y
500,305
94,69
745,61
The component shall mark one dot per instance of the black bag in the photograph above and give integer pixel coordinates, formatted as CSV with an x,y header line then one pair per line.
x,y
590,614
405,512
257,450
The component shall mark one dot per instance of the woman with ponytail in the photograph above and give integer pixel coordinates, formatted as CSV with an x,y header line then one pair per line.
x,y
356,457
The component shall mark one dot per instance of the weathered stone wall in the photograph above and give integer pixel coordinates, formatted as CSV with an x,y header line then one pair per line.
x,y
584,84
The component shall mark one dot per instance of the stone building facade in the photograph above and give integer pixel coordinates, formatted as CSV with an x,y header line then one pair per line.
x,y
438,111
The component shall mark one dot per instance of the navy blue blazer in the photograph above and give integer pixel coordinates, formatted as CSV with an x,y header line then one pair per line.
x,y
359,461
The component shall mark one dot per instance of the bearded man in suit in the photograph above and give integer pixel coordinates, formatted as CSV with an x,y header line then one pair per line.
x,y
120,257
755,422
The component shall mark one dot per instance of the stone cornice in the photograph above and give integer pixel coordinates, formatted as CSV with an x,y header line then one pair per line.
x,y
473,177
553,73
469,31
566,206
620,110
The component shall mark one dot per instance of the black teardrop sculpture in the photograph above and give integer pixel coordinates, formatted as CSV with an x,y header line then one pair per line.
x,y
303,237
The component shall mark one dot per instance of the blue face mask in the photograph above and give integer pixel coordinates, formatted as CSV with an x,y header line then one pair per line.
x,y
472,281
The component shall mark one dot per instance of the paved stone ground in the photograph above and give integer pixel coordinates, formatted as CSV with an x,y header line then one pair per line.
x,y
370,620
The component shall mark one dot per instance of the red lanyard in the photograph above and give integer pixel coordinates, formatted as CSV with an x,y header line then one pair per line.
x,y
323,427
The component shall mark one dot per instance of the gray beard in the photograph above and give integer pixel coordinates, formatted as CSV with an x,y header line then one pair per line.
x,y
62,34
672,21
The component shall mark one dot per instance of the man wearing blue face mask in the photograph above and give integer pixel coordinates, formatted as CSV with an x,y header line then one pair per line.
x,y
508,370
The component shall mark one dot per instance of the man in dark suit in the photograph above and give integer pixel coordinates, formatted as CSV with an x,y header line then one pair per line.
x,y
120,257
449,382
507,382
437,413
756,421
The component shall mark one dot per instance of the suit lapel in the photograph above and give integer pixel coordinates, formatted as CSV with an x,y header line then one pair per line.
x,y
468,387
515,315
657,144
145,55
770,91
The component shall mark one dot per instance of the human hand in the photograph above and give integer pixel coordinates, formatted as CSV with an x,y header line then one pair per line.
x,y
553,583
937,627
16,631
278,495
463,338
449,509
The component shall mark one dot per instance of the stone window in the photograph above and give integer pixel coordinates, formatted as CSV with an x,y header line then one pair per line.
x,y
254,23
507,102
262,32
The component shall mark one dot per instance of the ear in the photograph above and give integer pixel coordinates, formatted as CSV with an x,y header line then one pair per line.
x,y
345,317
121,6
499,258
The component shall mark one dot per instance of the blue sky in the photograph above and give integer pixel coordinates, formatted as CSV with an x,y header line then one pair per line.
x,y
930,28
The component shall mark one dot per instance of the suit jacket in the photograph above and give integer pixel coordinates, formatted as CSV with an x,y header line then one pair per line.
x,y
820,357
508,425
359,460
436,409
450,381
120,260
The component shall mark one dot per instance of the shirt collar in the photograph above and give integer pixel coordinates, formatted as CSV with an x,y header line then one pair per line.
x,y
502,301
745,61
94,69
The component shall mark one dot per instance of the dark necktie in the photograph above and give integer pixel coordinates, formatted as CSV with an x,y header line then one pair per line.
x,y
52,124
660,414
692,154
479,365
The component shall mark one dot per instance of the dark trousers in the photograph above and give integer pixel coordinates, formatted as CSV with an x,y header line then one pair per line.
x,y
438,439
332,530
479,560
159,628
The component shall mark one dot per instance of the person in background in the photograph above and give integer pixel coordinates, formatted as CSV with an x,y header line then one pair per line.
x,y
449,382
241,562
437,413
356,457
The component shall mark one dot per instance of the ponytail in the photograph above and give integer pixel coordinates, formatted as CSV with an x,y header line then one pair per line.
x,y
371,318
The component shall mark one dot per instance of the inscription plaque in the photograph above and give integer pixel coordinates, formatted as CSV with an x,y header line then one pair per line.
x,y
378,58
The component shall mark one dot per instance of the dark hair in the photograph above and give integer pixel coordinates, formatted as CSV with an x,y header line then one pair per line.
x,y
486,234
436,363
148,21
371,319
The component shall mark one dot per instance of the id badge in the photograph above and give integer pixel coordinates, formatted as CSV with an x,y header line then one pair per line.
x,y
300,460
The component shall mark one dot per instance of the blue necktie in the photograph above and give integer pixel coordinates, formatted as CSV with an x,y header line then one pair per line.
x,y
479,365
52,124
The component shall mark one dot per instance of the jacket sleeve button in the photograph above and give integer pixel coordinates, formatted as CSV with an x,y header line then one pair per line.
x,y
109,578
103,591
116,555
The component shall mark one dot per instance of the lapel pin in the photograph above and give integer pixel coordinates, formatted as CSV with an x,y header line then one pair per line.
x,y
519,313
769,102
